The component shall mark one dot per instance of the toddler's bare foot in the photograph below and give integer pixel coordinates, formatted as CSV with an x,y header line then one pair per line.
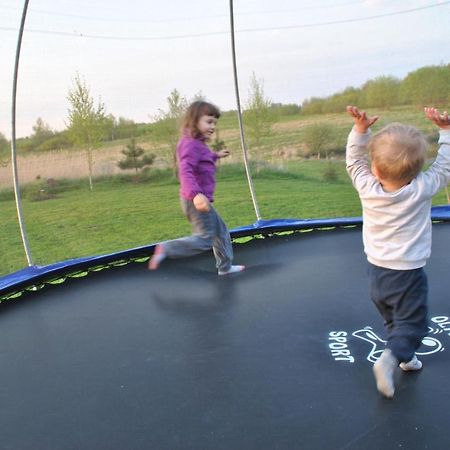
x,y
157,257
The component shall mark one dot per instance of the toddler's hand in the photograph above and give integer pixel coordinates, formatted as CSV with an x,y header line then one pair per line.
x,y
201,203
362,122
441,120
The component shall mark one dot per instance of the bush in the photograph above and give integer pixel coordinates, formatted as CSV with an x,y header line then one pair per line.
x,y
318,138
42,190
330,173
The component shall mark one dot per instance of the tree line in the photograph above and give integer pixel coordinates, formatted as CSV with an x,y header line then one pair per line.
x,y
89,125
425,86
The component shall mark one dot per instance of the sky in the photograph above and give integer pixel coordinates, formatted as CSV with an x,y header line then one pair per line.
x,y
132,54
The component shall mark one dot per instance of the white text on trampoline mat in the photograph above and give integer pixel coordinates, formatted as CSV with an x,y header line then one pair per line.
x,y
339,347
338,341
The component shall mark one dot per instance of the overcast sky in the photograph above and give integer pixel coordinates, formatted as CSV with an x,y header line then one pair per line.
x,y
133,54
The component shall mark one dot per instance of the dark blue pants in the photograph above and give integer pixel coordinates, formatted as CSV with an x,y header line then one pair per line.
x,y
401,298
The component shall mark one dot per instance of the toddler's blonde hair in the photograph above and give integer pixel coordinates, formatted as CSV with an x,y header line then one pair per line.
x,y
398,152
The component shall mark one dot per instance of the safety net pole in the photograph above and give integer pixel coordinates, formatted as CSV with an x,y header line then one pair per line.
x,y
13,141
239,113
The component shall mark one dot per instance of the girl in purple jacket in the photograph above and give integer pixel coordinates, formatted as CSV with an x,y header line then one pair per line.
x,y
197,175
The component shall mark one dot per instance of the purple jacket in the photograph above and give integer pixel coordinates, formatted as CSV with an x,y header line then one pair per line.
x,y
196,168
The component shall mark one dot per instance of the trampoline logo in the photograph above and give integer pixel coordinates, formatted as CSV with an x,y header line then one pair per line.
x,y
339,345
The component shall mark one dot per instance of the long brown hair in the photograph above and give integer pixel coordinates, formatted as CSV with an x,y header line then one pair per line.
x,y
192,115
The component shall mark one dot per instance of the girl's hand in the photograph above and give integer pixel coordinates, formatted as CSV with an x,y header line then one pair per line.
x,y
362,122
223,153
201,203
441,120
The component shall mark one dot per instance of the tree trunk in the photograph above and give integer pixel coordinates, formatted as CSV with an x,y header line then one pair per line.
x,y
90,167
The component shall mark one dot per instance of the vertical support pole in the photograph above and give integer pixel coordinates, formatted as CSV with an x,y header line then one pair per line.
x,y
13,141
241,127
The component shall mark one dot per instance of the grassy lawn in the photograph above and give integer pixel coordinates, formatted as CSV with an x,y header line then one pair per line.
x,y
118,216
121,214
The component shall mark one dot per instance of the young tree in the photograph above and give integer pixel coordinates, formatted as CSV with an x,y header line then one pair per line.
x,y
167,125
135,157
259,116
86,121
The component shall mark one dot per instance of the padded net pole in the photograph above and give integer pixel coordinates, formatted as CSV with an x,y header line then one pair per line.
x,y
241,127
13,140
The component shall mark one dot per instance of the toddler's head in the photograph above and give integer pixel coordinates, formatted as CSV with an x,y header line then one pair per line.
x,y
398,153
193,114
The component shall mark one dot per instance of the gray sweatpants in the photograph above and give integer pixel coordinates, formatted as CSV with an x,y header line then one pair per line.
x,y
208,231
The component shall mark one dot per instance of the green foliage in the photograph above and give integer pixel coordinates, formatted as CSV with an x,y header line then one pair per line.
x,y
289,109
330,173
58,141
381,92
318,137
41,132
120,128
427,86
87,122
135,157
167,125
313,105
4,151
259,116
42,190
218,144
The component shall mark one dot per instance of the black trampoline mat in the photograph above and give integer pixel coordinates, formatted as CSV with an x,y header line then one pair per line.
x,y
277,357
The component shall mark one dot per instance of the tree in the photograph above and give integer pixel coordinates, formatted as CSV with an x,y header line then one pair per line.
x,y
41,132
167,125
125,128
135,157
381,92
4,143
59,140
4,151
259,116
86,121
120,128
427,86
318,137
313,105
337,102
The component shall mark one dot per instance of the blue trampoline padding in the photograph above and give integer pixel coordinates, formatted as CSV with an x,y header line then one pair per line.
x,y
36,274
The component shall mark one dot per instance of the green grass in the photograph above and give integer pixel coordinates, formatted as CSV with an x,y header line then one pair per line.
x,y
116,216
121,213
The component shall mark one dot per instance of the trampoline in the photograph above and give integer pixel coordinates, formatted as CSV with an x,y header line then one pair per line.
x,y
279,356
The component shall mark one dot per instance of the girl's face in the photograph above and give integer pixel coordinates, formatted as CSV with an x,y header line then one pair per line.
x,y
207,125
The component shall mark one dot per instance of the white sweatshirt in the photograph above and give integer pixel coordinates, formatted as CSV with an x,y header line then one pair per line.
x,y
396,225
